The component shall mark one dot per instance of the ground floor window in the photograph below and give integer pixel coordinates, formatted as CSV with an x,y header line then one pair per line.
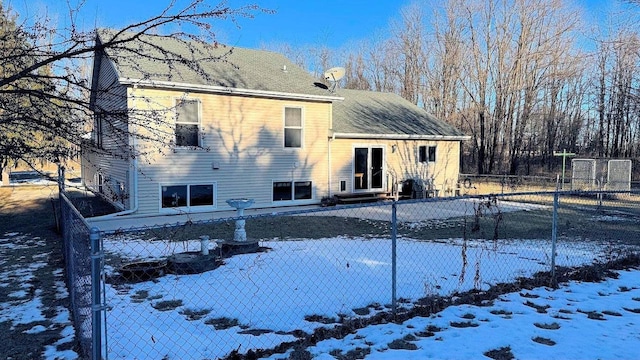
x,y
292,190
426,154
176,196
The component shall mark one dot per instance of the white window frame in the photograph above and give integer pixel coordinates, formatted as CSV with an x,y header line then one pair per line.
x,y
176,122
286,127
188,208
293,192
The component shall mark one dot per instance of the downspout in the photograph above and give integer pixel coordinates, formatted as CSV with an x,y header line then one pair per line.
x,y
331,139
133,183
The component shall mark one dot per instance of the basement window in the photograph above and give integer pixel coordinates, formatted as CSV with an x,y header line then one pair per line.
x,y
187,197
292,190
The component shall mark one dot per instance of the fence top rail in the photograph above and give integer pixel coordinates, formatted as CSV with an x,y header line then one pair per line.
x,y
297,212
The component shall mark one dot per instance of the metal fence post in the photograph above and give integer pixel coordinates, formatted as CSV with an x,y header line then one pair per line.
x,y
96,304
554,237
394,233
61,176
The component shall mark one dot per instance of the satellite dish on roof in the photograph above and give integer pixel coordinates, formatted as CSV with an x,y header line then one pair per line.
x,y
334,74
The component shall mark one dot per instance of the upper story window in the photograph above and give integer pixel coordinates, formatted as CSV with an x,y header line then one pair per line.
x,y
187,122
426,154
293,126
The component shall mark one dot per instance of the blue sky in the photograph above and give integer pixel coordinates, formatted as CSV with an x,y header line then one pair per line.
x,y
331,23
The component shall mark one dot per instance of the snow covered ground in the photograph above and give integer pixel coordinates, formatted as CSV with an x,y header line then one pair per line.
x,y
257,300
25,308
261,300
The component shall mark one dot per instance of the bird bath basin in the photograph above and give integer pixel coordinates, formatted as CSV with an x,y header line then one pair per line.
x,y
240,204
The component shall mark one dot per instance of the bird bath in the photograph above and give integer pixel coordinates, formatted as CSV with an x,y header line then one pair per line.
x,y
240,244
240,204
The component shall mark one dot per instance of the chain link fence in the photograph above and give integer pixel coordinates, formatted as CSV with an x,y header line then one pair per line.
x,y
194,291
77,258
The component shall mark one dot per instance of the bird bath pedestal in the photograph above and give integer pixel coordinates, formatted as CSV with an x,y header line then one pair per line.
x,y
240,204
240,244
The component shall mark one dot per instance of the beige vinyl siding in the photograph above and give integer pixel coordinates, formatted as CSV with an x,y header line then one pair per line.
x,y
243,138
112,160
400,162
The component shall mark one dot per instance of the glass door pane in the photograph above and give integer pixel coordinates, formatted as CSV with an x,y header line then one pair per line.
x,y
361,169
376,168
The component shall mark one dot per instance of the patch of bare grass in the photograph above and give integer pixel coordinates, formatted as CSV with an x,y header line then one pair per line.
x,y
193,314
550,326
543,341
593,315
167,305
222,323
463,324
611,313
542,309
503,353
357,353
140,296
402,344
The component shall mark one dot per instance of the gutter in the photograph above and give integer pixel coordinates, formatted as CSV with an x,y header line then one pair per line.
x,y
400,136
226,90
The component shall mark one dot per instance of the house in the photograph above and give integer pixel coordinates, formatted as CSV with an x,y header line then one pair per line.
x,y
168,138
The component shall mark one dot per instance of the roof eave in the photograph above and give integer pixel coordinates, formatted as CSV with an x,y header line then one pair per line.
x,y
401,136
226,90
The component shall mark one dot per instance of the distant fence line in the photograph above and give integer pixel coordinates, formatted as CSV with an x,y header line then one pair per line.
x,y
572,182
406,249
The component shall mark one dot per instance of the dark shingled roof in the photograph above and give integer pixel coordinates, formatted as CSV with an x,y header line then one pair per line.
x,y
377,113
160,58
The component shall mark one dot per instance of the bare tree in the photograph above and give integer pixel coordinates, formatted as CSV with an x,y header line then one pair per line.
x,y
355,73
617,101
410,44
512,51
42,68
